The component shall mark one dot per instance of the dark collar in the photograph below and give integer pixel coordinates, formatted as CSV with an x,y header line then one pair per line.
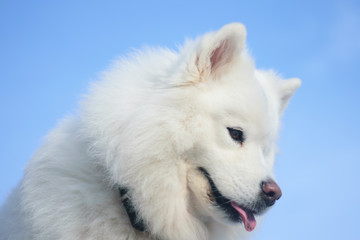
x,y
136,221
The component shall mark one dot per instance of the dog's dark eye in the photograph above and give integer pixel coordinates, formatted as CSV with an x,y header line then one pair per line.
x,y
236,134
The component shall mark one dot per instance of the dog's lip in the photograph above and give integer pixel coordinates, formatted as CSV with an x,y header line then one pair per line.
x,y
246,215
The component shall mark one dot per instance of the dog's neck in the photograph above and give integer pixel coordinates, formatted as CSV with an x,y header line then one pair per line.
x,y
136,221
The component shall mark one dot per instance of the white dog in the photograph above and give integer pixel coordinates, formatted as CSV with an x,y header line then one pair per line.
x,y
168,145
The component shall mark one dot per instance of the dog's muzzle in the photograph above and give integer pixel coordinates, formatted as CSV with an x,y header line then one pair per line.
x,y
269,193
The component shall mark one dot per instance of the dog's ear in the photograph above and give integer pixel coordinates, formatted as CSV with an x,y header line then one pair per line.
x,y
219,50
287,89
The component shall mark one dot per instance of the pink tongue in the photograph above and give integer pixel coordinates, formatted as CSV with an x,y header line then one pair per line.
x,y
247,217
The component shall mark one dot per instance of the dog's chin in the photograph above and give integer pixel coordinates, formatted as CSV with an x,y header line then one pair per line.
x,y
231,211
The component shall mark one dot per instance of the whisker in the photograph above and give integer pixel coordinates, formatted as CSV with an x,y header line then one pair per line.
x,y
227,202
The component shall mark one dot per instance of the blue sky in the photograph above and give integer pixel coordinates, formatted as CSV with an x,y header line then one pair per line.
x,y
51,50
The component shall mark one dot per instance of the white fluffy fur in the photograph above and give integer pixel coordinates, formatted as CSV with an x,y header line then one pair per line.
x,y
151,121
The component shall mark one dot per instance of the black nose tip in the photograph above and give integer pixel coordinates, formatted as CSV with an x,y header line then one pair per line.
x,y
272,192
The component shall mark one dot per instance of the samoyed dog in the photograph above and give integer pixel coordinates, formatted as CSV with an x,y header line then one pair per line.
x,y
168,145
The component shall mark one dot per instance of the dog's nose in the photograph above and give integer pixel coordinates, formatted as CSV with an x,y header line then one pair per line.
x,y
272,192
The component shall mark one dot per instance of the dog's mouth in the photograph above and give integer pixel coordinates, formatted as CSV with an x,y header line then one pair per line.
x,y
234,211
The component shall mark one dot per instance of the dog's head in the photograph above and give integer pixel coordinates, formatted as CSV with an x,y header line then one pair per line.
x,y
235,111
